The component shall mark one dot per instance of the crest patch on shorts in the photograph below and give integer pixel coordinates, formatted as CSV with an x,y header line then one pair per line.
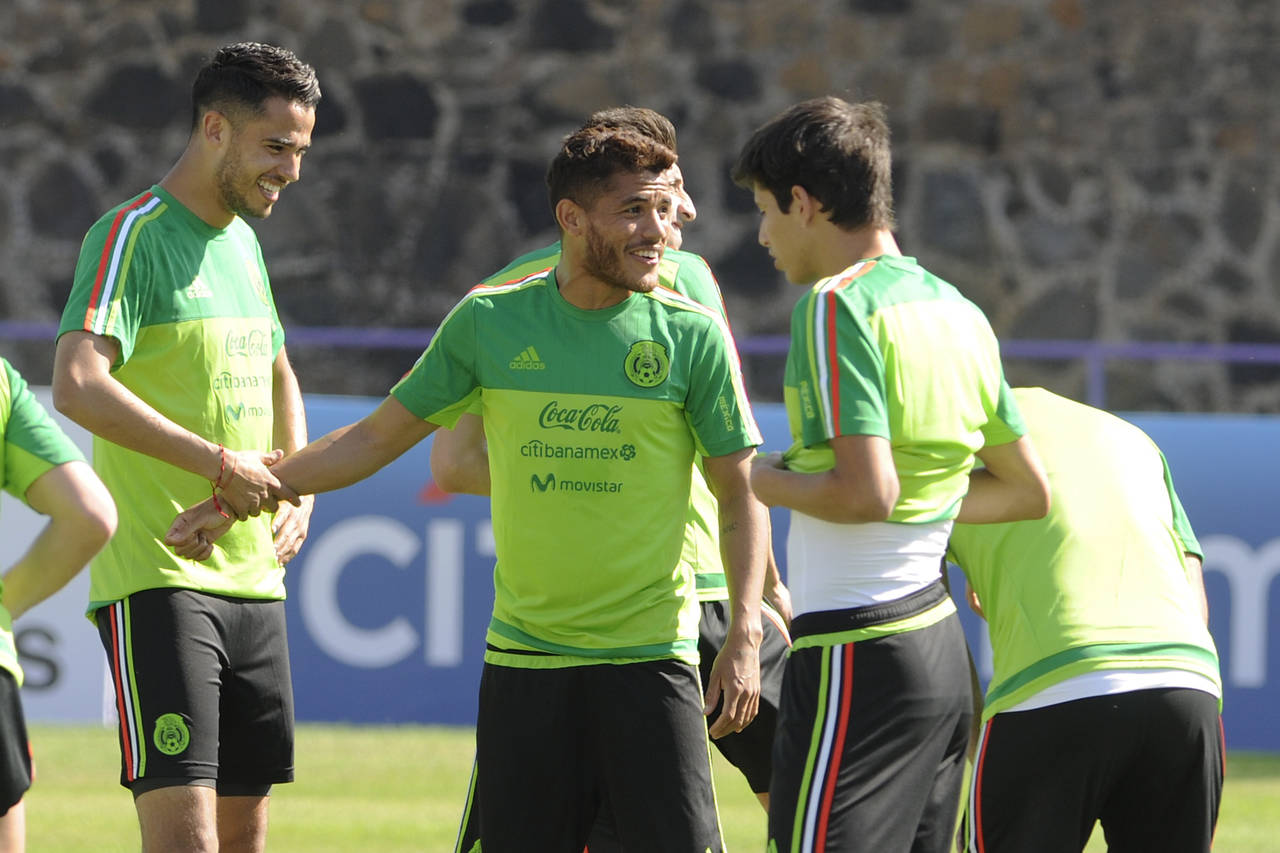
x,y
172,735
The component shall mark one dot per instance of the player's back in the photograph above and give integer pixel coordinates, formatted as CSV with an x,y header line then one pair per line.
x,y
928,356
1103,570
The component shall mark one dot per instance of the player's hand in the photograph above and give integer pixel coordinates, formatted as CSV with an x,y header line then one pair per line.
x,y
289,528
972,597
194,531
735,681
771,459
248,486
779,598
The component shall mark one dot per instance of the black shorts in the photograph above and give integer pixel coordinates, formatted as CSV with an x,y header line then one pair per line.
x,y
553,745
202,687
750,750
1147,764
871,741
15,748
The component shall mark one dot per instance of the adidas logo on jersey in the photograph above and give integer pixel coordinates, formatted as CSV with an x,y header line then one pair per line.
x,y
197,289
527,360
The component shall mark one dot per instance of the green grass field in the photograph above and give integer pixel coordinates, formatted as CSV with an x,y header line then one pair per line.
x,y
396,789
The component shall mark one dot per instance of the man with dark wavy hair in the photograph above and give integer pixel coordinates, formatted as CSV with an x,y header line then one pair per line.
x,y
893,389
171,353
459,463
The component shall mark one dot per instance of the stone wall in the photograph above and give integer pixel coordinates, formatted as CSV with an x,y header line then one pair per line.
x,y
1083,169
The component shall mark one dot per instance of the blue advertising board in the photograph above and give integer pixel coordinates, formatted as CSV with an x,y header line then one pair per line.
x,y
390,597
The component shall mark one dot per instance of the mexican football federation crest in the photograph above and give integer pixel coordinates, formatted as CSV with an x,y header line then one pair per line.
x,y
171,735
647,364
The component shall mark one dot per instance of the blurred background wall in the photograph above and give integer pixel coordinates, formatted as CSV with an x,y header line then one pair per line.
x,y
1096,170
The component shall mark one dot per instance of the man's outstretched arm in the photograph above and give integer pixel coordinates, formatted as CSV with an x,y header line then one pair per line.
x,y
85,391
345,456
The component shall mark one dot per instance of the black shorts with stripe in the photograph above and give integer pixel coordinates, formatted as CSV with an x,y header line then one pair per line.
x,y
15,748
1148,764
870,748
203,689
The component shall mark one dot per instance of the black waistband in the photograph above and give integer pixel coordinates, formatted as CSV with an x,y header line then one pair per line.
x,y
492,648
854,618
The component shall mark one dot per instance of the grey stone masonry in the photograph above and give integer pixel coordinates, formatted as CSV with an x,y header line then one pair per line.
x,y
1082,169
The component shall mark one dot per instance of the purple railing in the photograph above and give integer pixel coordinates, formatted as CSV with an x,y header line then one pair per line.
x,y
1094,354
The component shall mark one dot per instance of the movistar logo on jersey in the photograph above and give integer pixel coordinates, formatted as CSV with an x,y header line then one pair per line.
x,y
647,364
256,343
595,417
197,289
550,484
527,360
239,410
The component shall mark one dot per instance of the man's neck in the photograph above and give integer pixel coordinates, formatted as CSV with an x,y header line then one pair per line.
x,y
841,249
583,290
190,183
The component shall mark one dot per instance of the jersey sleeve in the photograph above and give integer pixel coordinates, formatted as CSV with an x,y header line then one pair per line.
x,y
717,407
33,443
695,280
842,367
1006,424
443,384
113,277
1181,524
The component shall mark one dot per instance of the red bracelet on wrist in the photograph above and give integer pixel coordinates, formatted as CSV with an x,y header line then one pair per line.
x,y
218,506
222,466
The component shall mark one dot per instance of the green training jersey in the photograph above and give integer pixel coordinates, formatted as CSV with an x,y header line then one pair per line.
x,y
885,348
593,419
1099,583
687,273
192,311
33,445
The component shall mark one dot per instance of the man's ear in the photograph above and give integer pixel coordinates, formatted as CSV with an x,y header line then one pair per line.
x,y
215,128
570,216
803,204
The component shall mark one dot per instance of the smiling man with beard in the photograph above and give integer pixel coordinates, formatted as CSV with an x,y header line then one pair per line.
x,y
590,691
171,353
460,463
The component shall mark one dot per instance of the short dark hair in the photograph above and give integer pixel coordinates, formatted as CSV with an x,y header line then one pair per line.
x,y
838,151
245,75
642,120
589,157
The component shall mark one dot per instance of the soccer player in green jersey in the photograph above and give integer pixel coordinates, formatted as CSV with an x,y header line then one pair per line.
x,y
459,464
41,467
590,691
893,385
1105,700
171,353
